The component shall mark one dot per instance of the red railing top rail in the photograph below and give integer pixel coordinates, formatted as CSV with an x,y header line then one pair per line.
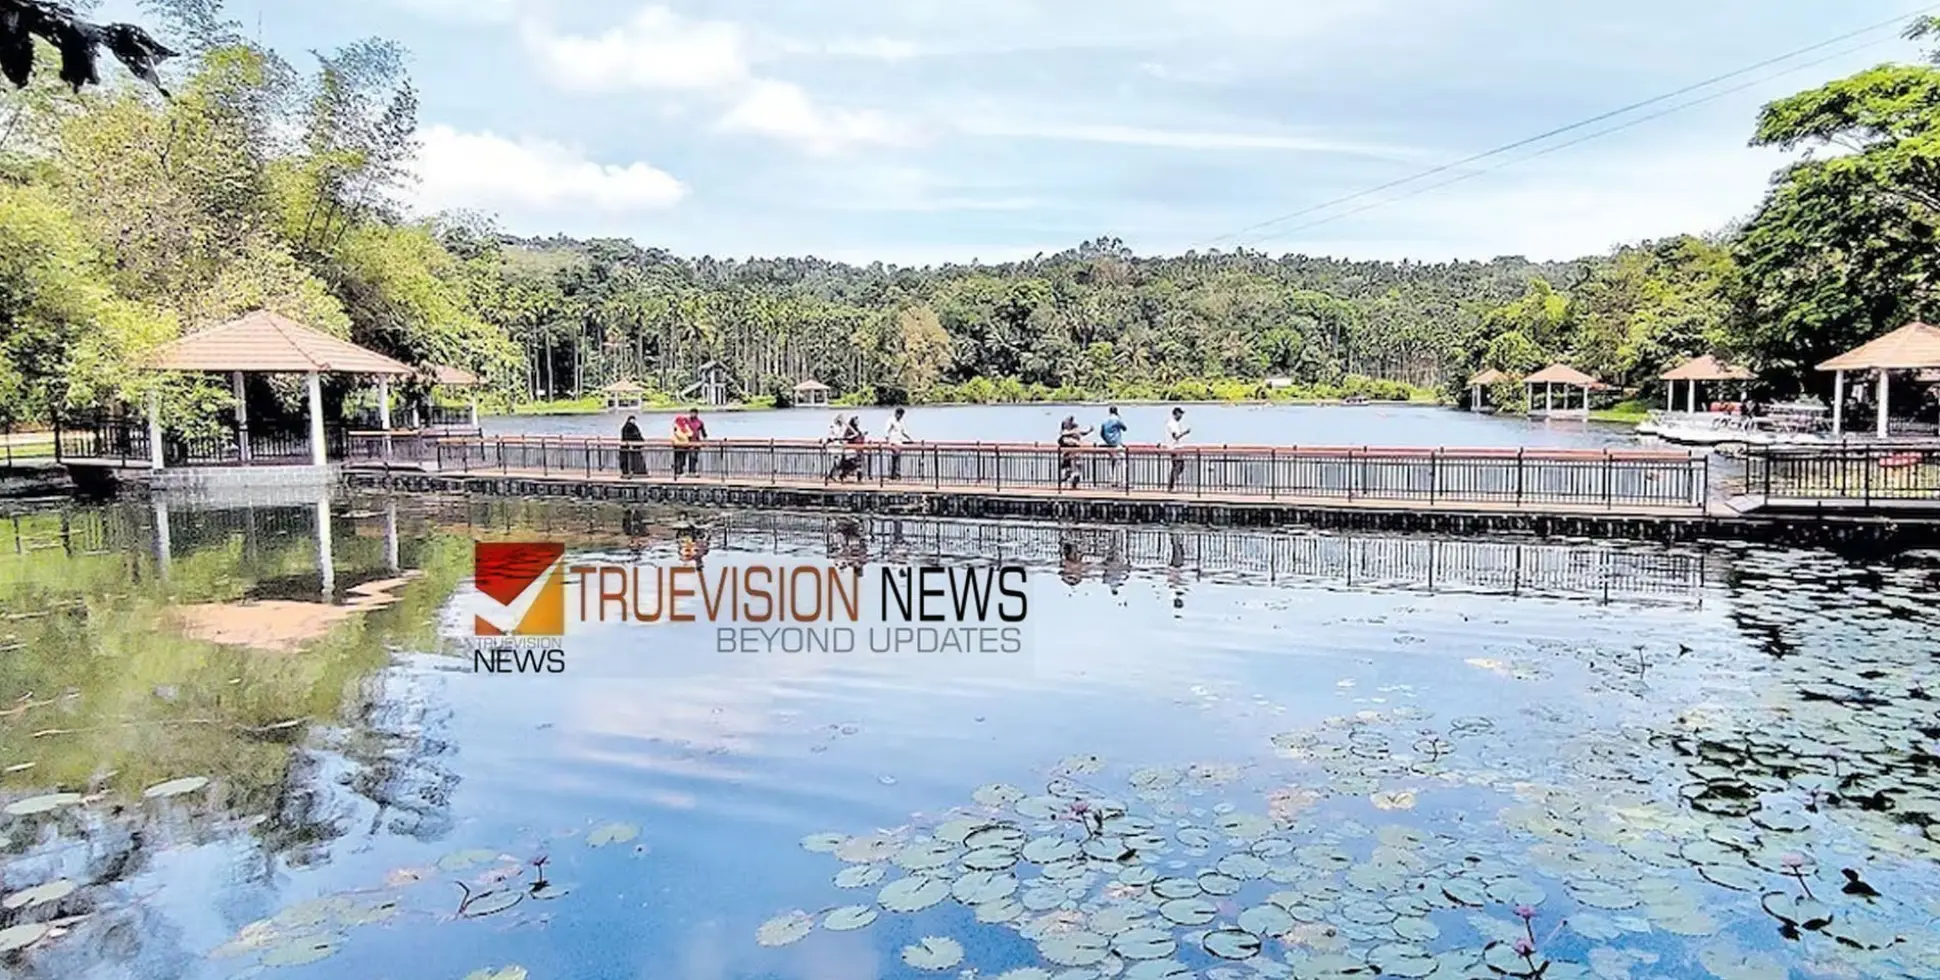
x,y
1234,449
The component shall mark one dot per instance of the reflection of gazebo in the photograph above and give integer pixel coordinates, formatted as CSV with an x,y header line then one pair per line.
x,y
267,343
1706,368
811,392
1479,383
1913,347
619,392
1566,376
446,376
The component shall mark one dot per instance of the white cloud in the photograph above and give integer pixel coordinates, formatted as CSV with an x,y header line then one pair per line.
x,y
489,172
659,50
655,49
782,110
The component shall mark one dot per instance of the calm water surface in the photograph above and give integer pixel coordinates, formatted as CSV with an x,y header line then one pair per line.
x,y
1222,755
1278,425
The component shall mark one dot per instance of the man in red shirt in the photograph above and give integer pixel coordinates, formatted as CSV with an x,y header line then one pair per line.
x,y
689,430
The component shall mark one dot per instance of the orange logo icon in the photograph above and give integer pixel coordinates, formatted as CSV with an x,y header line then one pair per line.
x,y
521,574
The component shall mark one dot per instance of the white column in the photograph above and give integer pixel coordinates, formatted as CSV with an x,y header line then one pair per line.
x,y
1475,398
1883,374
474,408
316,420
1670,396
162,546
384,411
390,534
242,416
1838,402
1690,396
1549,398
154,430
326,571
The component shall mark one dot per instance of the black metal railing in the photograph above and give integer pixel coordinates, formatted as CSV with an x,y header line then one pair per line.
x,y
1584,478
1846,472
407,418
125,443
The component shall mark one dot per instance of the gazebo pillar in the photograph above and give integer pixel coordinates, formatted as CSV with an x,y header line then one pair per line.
x,y
1475,398
384,411
316,418
242,416
1883,414
1549,398
154,430
1690,397
1838,402
474,407
1670,396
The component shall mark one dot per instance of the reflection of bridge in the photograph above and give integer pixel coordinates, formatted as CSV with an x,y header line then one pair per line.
x,y
1586,571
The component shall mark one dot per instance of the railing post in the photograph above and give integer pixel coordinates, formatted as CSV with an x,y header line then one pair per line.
x,y
1767,459
998,452
1607,474
1272,474
1434,474
936,467
1518,474
1704,481
501,454
774,472
1867,465
589,459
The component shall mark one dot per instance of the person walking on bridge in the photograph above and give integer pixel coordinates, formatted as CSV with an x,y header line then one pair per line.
x,y
1176,432
897,435
689,430
1111,435
1070,437
633,459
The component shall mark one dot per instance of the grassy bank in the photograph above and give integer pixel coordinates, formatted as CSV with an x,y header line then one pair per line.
x,y
1628,413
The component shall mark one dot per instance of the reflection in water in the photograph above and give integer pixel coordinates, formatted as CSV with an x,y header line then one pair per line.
x,y
1634,740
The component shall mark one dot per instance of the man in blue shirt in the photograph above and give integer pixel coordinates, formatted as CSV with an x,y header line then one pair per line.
x,y
1112,435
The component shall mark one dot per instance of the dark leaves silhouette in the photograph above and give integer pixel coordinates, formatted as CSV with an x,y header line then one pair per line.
x,y
78,41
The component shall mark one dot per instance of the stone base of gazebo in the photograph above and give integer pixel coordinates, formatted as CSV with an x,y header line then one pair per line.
x,y
224,479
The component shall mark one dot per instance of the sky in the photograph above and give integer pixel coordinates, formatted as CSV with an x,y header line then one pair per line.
x,y
923,131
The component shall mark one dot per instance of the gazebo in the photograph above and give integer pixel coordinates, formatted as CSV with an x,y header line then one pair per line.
x,y
1479,383
1914,347
268,343
811,393
1705,368
1568,377
619,392
446,376
712,387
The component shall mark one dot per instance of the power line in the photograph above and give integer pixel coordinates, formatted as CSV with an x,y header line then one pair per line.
x,y
1545,151
1579,124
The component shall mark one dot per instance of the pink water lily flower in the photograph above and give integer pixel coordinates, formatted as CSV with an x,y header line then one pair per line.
x,y
1525,948
1525,913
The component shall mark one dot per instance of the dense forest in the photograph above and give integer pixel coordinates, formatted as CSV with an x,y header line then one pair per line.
x,y
128,218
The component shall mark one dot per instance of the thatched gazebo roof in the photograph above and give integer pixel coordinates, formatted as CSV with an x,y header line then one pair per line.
x,y
1562,374
1706,368
268,343
1914,346
1487,376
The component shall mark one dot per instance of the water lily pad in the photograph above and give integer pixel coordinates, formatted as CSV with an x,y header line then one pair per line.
x,y
867,849
1515,891
300,951
1728,962
611,833
785,928
859,876
999,910
923,855
1245,826
1074,948
1189,911
1043,807
1862,933
1214,883
1025,973
933,953
27,898
998,794
42,804
22,936
1045,850
1266,920
1324,858
848,918
175,787
1197,837
1603,895
1107,848
999,836
990,859
1397,800
1737,877
1175,888
1331,966
1246,867
1144,943
492,902
1415,928
1158,970
1590,925
1232,944
1797,910
1466,891
823,843
978,887
514,972
913,894
1402,960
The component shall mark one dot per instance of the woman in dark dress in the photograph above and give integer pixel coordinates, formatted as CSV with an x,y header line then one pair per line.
x,y
633,459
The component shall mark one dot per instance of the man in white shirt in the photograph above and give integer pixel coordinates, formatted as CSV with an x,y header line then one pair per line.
x,y
897,435
1176,432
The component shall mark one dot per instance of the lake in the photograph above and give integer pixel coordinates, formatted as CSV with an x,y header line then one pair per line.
x,y
1278,425
245,749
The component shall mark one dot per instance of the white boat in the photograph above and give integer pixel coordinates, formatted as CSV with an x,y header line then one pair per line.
x,y
1779,428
